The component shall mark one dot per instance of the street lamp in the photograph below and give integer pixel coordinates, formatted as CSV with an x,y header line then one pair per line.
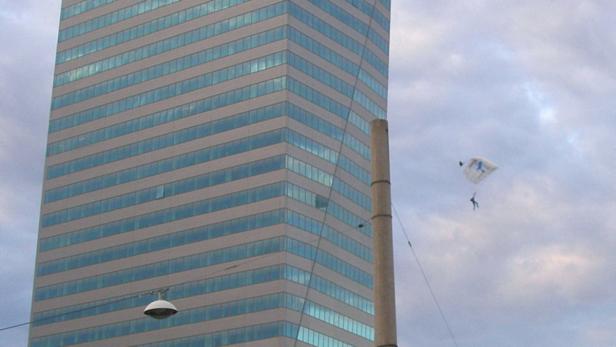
x,y
161,308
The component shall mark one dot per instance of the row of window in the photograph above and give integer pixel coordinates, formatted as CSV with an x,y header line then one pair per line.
x,y
171,43
330,234
160,217
297,11
169,91
206,259
333,156
322,202
212,153
324,127
333,209
207,286
334,107
204,81
169,115
194,36
208,313
181,136
164,191
367,103
328,180
255,333
244,119
371,82
235,47
335,83
359,122
338,320
316,97
152,96
339,37
183,237
210,128
328,260
169,67
144,29
158,243
204,181
336,59
204,207
352,22
213,54
180,112
371,11
204,155
352,194
320,74
82,7
111,18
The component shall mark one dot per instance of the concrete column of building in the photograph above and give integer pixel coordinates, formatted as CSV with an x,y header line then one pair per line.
x,y
384,291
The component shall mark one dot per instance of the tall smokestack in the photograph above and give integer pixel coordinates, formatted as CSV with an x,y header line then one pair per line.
x,y
384,289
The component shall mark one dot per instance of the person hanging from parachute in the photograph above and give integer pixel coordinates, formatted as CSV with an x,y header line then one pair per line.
x,y
476,170
475,203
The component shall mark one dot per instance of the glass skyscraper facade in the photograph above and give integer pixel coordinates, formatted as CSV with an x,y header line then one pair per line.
x,y
219,149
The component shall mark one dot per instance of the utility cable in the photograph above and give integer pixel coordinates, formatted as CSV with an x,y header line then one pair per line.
x,y
425,277
123,298
336,167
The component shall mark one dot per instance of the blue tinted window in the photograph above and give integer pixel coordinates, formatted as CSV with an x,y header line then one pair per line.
x,y
211,285
353,23
339,37
371,11
142,29
171,43
82,7
170,67
207,313
168,91
206,259
167,190
205,155
111,18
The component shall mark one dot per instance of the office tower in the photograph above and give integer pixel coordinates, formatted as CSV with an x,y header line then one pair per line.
x,y
218,149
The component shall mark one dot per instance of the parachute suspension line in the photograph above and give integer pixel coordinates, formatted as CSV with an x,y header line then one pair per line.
x,y
425,277
336,167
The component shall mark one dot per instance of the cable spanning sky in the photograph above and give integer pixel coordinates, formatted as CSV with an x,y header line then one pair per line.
x,y
529,84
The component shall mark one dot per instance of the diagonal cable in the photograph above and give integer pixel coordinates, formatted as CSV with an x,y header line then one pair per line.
x,y
336,167
123,298
425,277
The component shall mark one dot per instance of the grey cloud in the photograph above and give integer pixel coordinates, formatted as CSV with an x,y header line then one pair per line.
x,y
526,84
27,30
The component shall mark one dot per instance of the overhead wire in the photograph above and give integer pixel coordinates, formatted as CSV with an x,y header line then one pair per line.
x,y
425,277
336,167
128,297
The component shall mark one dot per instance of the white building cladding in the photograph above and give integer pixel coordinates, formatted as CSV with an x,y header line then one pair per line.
x,y
218,149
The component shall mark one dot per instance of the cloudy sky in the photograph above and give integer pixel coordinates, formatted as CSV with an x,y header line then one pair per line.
x,y
530,84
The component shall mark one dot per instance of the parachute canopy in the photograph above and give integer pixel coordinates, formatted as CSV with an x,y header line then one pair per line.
x,y
477,169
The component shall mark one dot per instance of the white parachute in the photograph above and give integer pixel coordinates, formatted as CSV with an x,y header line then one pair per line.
x,y
477,169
